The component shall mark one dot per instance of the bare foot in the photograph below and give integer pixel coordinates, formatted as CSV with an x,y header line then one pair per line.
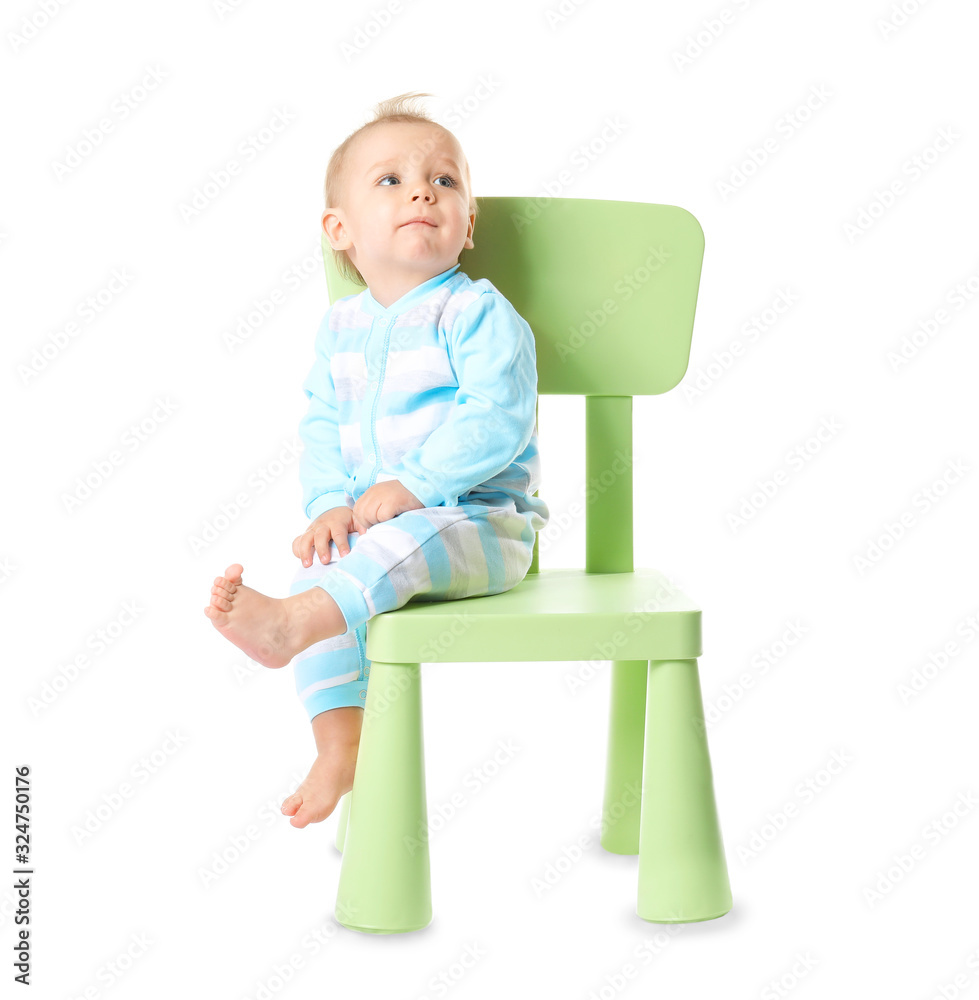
x,y
331,776
271,630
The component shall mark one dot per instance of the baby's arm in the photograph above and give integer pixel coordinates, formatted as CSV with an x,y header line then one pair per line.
x,y
321,469
494,357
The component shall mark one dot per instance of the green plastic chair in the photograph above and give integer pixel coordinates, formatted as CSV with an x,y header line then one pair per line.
x,y
609,289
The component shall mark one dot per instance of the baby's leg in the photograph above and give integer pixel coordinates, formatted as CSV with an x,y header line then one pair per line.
x,y
331,681
435,553
337,735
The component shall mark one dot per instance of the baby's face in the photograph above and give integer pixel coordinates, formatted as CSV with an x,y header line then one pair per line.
x,y
399,172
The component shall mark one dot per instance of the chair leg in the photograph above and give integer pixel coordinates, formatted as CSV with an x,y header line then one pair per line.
x,y
682,870
342,821
623,761
385,881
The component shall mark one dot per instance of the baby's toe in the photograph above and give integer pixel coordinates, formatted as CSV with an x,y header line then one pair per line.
x,y
292,804
221,603
311,811
233,572
299,819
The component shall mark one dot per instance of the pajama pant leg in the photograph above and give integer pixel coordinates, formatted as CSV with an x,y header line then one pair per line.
x,y
434,554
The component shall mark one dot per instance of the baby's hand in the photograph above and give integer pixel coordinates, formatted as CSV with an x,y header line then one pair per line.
x,y
384,501
333,524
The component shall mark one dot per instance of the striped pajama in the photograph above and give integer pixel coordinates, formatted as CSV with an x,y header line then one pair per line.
x,y
435,553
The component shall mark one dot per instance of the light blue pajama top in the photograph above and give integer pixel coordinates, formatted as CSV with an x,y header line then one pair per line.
x,y
437,390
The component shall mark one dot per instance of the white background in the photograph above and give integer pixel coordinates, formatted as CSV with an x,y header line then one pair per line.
x,y
869,604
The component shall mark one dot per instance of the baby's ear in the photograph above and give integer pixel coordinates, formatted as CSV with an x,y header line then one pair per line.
x,y
335,230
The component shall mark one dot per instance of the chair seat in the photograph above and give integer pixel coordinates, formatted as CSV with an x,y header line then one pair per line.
x,y
555,614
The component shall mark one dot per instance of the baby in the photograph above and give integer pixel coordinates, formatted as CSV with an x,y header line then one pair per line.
x,y
420,452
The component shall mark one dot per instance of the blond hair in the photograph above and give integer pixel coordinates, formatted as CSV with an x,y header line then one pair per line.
x,y
398,109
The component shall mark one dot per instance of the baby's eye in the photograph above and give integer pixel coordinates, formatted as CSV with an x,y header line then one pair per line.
x,y
441,177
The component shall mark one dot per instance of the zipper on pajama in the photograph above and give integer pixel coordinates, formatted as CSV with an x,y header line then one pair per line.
x,y
363,652
377,393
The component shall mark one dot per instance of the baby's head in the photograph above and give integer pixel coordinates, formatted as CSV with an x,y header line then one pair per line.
x,y
399,166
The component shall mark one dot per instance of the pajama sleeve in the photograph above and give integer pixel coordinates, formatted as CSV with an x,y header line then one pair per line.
x,y
321,469
493,354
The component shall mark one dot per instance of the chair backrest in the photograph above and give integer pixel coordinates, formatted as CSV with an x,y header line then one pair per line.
x,y
609,289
